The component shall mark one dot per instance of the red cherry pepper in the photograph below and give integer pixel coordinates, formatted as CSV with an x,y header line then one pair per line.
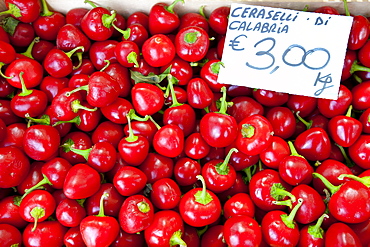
x,y
199,93
133,148
273,154
242,230
47,233
219,129
254,134
344,130
41,142
200,207
74,185
344,196
97,23
166,229
359,31
127,53
28,103
266,187
279,228
158,50
69,37
33,73
99,230
129,180
314,144
192,43
219,175
136,214
358,152
147,99
10,235
169,140
165,194
312,234
342,234
163,19
186,170
239,204
70,213
37,206
218,19
295,169
157,166
195,19
48,23
182,115
111,205
23,10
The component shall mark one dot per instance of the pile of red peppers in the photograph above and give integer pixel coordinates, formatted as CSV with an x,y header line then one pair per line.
x,y
115,132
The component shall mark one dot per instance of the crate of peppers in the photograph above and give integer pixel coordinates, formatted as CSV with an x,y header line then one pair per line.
x,y
114,131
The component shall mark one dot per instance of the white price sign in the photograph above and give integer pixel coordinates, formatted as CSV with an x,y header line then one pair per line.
x,y
285,50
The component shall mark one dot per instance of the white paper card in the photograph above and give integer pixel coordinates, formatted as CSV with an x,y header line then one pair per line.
x,y
285,50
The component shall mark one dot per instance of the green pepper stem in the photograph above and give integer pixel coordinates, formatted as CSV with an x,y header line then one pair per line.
x,y
249,171
177,240
363,180
107,20
223,167
201,11
287,203
101,205
289,219
191,37
172,90
356,67
223,107
79,57
279,192
346,8
44,120
25,91
126,33
39,185
202,196
293,151
131,137
91,3
76,120
85,87
172,5
106,65
132,58
332,188
28,52
1,73
315,230
308,124
76,106
37,213
349,111
349,162
143,207
83,152
45,9
71,52
12,10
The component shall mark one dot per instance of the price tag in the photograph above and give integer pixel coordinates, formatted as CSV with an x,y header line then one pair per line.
x,y
285,50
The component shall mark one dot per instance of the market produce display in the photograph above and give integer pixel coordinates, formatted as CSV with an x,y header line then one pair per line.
x,y
115,132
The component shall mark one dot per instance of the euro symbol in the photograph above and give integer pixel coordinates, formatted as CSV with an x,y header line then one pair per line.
x,y
235,43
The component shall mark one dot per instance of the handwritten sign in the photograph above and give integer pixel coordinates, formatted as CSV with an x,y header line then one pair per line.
x,y
285,50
